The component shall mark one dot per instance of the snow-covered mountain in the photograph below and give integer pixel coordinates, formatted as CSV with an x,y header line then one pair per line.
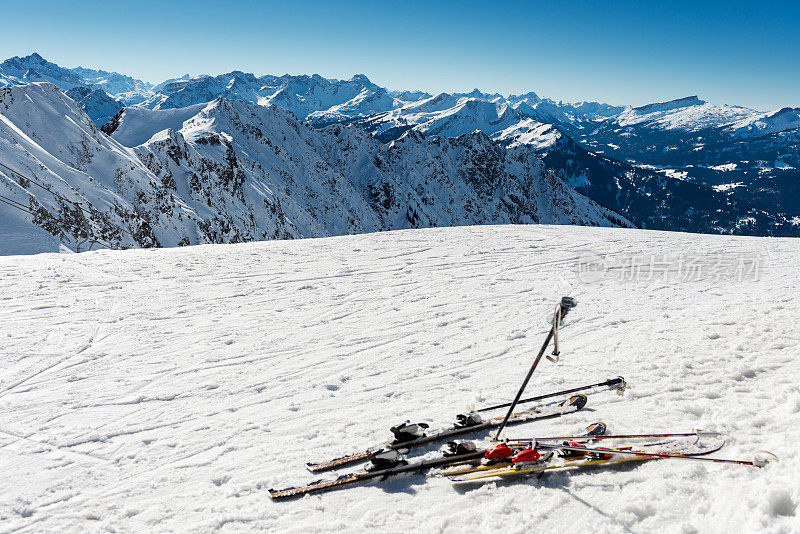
x,y
683,165
753,157
128,89
34,68
331,100
239,171
682,129
647,196
445,115
783,120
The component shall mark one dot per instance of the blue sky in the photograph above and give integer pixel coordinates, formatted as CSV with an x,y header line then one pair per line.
x,y
622,52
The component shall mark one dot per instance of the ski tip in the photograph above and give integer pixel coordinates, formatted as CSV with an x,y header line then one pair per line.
x,y
711,446
707,433
620,385
596,429
762,458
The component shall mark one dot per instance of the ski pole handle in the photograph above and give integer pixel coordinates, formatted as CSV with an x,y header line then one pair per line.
x,y
566,304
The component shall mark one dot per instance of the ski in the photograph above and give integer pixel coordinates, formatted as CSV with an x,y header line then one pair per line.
x,y
698,433
758,461
676,445
572,465
361,476
606,457
573,404
614,384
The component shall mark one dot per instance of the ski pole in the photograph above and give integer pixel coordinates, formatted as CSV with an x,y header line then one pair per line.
x,y
698,433
760,460
612,383
566,304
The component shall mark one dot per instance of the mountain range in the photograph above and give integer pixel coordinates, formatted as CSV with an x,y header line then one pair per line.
x,y
203,150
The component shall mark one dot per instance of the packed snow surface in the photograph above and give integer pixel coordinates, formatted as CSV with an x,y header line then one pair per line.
x,y
168,390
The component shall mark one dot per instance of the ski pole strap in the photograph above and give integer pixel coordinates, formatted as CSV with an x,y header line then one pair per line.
x,y
566,304
556,322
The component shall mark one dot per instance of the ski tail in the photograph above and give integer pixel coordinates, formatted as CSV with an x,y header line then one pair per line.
x,y
336,463
350,479
314,487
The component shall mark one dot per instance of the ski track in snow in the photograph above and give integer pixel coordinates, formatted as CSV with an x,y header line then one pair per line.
x,y
167,390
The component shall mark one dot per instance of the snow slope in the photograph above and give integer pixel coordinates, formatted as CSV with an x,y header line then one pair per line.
x,y
98,105
76,181
167,390
135,126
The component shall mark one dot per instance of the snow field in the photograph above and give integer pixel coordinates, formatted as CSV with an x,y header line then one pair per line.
x,y
167,390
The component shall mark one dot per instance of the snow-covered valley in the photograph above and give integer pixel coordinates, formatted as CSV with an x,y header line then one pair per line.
x,y
167,390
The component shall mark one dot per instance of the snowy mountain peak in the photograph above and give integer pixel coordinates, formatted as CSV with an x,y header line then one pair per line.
x,y
478,94
529,97
34,68
670,104
783,120
185,78
112,82
785,111
362,79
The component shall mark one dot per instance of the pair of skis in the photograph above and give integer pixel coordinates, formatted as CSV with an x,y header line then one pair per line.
x,y
575,448
536,414
677,448
595,457
572,405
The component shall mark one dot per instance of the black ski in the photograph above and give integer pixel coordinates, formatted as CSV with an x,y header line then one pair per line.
x,y
354,478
